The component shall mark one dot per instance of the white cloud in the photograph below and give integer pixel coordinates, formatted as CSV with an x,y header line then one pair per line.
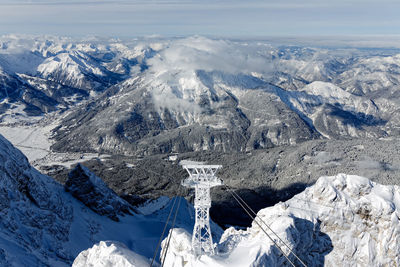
x,y
199,53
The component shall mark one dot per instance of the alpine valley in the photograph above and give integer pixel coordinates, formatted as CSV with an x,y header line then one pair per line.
x,y
307,135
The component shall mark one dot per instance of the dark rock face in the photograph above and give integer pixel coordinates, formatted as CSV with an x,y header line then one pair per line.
x,y
95,194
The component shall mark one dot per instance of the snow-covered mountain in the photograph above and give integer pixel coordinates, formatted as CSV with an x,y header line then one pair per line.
x,y
41,224
193,94
41,75
199,94
342,220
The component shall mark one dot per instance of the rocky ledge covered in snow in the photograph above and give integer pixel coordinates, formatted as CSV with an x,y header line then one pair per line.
x,y
342,220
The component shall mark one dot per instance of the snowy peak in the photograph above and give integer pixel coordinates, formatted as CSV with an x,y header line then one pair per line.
x,y
94,193
326,90
71,69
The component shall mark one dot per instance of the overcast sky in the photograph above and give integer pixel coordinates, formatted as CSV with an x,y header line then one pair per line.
x,y
229,18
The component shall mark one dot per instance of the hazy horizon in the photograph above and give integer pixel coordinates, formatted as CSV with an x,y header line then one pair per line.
x,y
225,18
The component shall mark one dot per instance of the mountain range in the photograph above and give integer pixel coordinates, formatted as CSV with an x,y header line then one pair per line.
x,y
277,117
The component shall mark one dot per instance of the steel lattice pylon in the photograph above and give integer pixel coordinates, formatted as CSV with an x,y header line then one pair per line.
x,y
202,178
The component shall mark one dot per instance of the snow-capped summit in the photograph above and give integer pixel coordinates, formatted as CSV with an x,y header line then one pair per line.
x,y
74,69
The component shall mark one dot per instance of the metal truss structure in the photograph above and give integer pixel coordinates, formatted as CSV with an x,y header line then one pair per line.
x,y
202,178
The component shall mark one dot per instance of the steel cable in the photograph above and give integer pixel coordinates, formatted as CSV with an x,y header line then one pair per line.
x,y
170,235
254,219
254,213
163,232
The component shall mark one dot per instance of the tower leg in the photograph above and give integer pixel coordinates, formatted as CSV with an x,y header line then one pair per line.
x,y
202,239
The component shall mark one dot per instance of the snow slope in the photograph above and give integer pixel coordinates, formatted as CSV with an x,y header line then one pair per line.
x,y
342,220
43,225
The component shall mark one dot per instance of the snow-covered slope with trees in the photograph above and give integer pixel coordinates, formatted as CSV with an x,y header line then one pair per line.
x,y
193,95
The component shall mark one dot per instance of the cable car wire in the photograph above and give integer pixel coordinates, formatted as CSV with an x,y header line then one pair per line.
x,y
163,232
256,216
170,234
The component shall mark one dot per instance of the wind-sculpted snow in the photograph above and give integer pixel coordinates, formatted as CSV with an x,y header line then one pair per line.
x,y
108,253
342,220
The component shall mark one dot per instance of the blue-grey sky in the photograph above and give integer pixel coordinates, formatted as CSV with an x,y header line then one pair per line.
x,y
230,18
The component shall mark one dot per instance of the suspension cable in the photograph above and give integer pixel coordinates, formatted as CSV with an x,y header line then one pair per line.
x,y
254,219
170,234
163,232
254,213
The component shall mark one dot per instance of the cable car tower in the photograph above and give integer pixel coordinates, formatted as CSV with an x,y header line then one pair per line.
x,y
202,178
